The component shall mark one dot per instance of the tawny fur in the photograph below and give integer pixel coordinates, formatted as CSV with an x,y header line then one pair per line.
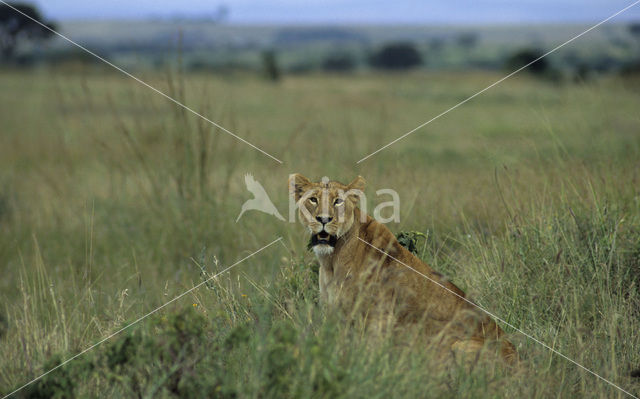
x,y
354,272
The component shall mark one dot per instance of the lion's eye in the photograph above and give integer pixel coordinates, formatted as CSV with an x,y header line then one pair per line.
x,y
338,202
313,200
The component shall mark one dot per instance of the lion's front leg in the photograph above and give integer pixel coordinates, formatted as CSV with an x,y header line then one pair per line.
x,y
324,278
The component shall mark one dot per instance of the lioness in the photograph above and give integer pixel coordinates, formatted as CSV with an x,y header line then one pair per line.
x,y
362,262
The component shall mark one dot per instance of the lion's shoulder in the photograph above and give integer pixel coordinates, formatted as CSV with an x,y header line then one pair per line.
x,y
382,243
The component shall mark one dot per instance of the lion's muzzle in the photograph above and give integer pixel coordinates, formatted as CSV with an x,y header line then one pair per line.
x,y
323,238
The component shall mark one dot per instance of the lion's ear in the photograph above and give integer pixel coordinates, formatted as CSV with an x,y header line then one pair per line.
x,y
357,184
355,189
298,184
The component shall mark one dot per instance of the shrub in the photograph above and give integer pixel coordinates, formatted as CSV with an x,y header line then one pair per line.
x,y
137,364
526,56
631,69
634,28
409,240
396,56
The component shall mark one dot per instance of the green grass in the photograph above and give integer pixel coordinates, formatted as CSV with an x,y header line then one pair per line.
x,y
110,197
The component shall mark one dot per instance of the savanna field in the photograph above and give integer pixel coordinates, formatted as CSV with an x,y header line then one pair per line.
x,y
113,201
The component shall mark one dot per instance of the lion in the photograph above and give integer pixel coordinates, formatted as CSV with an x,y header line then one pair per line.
x,y
362,263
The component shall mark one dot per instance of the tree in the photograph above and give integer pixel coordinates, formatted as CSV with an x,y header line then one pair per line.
x,y
270,65
396,56
16,28
526,56
634,29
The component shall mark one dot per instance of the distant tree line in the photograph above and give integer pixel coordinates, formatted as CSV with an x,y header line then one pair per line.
x,y
22,26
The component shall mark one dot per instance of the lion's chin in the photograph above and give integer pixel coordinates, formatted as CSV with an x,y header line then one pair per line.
x,y
322,249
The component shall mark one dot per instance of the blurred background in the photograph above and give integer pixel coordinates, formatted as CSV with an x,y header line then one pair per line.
x,y
114,200
333,36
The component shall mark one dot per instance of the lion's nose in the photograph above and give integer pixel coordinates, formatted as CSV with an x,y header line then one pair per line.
x,y
323,219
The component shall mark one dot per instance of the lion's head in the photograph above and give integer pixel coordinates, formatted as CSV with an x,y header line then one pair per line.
x,y
326,208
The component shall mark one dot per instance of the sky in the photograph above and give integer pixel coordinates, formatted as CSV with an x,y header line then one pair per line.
x,y
345,12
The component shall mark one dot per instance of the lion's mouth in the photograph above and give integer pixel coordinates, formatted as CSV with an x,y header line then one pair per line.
x,y
323,238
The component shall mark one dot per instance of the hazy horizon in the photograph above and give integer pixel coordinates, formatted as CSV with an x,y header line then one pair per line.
x,y
354,12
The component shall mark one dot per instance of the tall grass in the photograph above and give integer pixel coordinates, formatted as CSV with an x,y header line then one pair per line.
x,y
112,202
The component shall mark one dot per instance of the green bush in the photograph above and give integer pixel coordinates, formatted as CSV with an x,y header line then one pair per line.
x,y
396,56
527,56
170,361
